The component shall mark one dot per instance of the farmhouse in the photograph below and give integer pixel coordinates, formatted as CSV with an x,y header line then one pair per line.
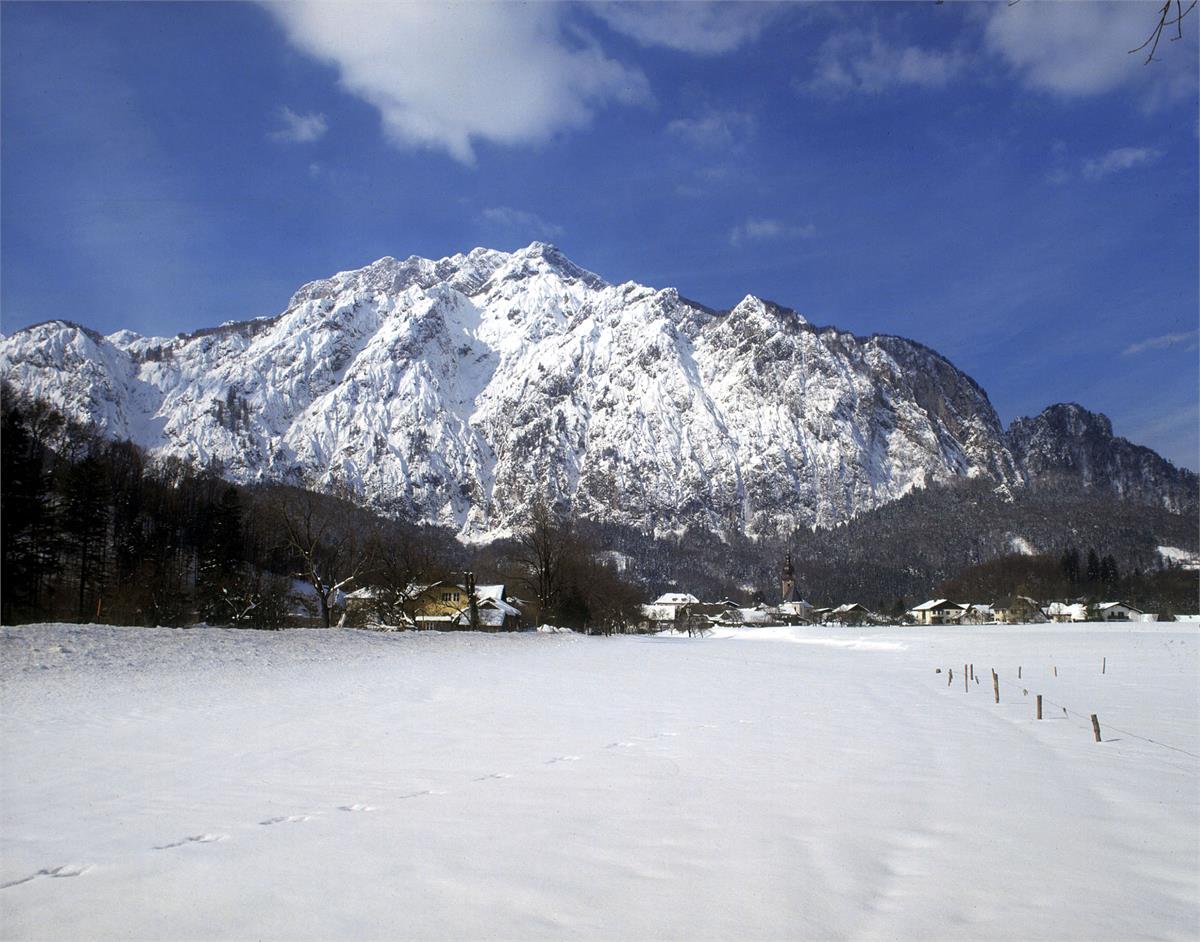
x,y
447,606
937,612
1018,610
1117,611
1061,612
849,614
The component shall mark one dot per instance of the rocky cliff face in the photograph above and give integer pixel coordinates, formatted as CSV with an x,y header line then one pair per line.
x,y
1068,440
461,390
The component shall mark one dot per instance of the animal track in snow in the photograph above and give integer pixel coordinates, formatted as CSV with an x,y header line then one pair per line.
x,y
356,807
194,839
557,759
618,745
288,819
66,870
425,791
484,778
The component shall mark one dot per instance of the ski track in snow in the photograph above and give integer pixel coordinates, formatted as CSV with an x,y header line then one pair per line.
x,y
924,862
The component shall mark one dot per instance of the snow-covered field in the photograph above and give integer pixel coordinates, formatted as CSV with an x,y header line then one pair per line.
x,y
798,783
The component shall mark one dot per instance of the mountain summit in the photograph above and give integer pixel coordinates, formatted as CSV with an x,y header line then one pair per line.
x,y
460,391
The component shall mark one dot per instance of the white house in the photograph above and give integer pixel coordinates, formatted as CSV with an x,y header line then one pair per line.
x,y
1118,611
938,612
1063,612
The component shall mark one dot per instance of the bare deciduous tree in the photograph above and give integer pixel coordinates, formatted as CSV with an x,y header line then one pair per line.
x,y
541,551
331,550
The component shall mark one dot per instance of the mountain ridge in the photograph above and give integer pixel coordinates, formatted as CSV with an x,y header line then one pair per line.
x,y
462,390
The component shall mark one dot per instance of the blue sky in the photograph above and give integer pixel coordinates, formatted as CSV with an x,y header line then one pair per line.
x,y
1002,183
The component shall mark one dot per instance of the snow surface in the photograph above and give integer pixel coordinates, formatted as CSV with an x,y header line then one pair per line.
x,y
1185,558
783,783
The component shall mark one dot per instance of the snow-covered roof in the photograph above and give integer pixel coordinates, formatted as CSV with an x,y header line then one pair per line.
x,y
489,591
499,605
676,598
755,616
1105,606
932,604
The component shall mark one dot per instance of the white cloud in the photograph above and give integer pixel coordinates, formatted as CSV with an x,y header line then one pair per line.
x,y
696,27
716,129
445,76
762,230
1161,343
300,128
1123,158
857,61
521,222
1075,49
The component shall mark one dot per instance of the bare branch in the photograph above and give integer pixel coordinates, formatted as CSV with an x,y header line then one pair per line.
x,y
1164,20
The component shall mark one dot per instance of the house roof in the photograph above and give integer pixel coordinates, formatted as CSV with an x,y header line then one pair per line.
x,y
676,598
931,604
1105,606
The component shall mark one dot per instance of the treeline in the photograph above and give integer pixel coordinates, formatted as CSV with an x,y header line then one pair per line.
x,y
1076,577
93,530
901,553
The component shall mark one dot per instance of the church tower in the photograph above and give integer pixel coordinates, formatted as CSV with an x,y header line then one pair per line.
x,y
788,581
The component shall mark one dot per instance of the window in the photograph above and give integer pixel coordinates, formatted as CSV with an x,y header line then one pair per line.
x,y
449,596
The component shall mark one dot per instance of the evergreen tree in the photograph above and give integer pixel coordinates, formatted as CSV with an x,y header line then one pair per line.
x,y
1110,576
85,524
28,545
222,593
1093,567
1070,565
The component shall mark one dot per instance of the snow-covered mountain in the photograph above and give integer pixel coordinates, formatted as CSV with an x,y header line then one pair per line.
x,y
1068,439
459,391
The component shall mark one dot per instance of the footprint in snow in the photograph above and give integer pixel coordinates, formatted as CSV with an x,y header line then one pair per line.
x,y
288,819
194,839
618,745
557,759
424,791
356,807
484,778
66,870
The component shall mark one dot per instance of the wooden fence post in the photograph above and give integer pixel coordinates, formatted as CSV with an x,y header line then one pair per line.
x,y
950,680
1055,670
1104,665
1096,727
1018,672
996,684
1039,701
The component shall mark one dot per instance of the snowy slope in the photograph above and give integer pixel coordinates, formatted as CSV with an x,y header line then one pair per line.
x,y
780,783
459,390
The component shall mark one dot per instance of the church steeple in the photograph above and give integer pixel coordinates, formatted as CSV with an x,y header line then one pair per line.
x,y
788,580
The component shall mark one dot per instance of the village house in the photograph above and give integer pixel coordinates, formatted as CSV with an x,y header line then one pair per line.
x,y
663,613
937,612
1018,610
1062,612
850,614
1117,611
978,614
446,606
